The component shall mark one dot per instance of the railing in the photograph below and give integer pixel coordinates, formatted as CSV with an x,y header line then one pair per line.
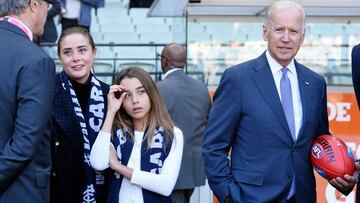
x,y
114,57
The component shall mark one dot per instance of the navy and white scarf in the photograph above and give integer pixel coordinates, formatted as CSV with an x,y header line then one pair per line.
x,y
90,123
152,159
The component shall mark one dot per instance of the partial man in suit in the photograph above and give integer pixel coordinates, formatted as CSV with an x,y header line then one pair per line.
x,y
268,111
188,102
355,66
26,93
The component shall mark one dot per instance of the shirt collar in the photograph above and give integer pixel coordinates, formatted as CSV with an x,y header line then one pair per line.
x,y
276,67
170,71
21,25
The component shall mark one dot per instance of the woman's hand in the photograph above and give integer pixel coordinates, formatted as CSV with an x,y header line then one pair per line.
x,y
114,103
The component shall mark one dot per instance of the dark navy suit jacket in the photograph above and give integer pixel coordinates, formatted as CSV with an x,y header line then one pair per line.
x,y
247,117
355,65
26,95
355,58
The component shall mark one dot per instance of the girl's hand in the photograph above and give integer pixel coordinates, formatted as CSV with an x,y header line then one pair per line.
x,y
114,103
113,160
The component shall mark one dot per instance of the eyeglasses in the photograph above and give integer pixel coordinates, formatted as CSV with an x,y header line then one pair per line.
x,y
49,3
162,56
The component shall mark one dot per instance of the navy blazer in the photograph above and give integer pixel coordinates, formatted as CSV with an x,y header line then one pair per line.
x,y
67,147
26,95
247,117
355,66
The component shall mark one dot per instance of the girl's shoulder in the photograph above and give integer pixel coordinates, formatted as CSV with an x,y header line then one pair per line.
x,y
177,131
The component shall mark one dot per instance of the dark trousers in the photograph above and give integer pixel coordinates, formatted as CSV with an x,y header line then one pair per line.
x,y
182,196
68,23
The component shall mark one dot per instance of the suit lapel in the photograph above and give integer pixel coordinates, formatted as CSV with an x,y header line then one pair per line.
x,y
266,84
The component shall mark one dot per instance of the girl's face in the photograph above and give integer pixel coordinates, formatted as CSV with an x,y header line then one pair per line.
x,y
136,102
77,56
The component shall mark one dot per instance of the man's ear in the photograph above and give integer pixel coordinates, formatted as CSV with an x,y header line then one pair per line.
x,y
33,4
265,30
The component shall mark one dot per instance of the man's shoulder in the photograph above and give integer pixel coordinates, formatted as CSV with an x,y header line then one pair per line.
x,y
310,73
356,51
243,69
357,48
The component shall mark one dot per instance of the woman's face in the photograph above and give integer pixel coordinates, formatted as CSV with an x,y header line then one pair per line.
x,y
77,56
136,102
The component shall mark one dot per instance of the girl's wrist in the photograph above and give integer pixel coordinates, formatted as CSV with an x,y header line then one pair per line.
x,y
110,114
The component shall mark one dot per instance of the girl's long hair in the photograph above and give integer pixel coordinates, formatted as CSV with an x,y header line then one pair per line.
x,y
157,115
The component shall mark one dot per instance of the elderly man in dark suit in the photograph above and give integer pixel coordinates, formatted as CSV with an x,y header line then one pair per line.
x,y
268,111
188,103
26,92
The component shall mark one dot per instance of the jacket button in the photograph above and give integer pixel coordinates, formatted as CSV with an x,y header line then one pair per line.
x,y
53,174
57,143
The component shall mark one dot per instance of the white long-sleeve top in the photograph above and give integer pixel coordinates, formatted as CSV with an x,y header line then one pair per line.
x,y
130,190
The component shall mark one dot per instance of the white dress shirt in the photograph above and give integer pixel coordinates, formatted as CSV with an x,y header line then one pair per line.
x,y
292,75
131,190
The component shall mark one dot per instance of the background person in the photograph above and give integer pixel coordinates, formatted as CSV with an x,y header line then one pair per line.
x,y
50,34
188,102
77,13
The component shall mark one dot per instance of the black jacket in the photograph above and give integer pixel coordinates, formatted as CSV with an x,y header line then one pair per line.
x,y
68,175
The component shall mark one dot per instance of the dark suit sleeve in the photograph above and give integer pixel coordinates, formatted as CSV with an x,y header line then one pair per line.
x,y
222,127
355,67
324,121
34,97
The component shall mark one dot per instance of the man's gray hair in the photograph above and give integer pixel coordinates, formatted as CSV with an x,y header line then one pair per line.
x,y
15,7
284,5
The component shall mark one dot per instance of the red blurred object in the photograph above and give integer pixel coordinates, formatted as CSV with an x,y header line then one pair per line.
x,y
331,157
